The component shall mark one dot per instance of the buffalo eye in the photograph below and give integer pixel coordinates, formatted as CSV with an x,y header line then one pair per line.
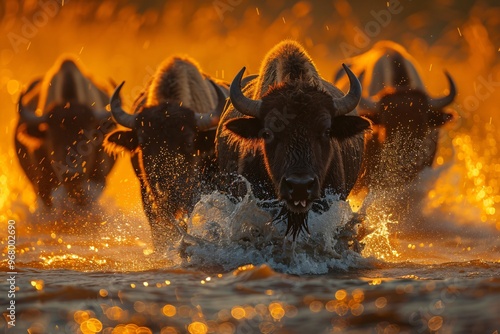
x,y
267,135
327,133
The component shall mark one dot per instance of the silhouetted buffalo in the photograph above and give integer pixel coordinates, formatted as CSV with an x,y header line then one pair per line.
x,y
292,134
171,137
58,139
406,120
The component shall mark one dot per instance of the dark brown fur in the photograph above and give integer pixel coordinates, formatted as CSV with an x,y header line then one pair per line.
x,y
172,158
66,149
406,128
294,138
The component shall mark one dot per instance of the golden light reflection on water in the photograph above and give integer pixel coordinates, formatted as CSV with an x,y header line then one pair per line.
x,y
197,327
38,284
342,306
266,317
169,310
91,326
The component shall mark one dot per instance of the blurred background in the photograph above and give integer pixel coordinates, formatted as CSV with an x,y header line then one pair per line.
x,y
126,40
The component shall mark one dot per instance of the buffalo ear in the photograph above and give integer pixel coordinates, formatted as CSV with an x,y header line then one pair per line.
x,y
245,127
440,118
374,117
120,140
344,127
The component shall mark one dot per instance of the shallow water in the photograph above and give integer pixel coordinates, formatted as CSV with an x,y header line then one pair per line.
x,y
237,275
452,298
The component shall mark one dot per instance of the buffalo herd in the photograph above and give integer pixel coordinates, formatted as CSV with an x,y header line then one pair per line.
x,y
292,134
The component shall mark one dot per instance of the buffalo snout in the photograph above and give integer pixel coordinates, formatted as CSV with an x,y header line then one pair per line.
x,y
299,190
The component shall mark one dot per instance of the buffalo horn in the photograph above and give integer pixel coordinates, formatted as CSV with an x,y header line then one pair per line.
x,y
242,103
119,115
29,116
349,101
439,103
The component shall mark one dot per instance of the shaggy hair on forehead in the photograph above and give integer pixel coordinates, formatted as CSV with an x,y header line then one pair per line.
x,y
181,79
67,81
286,62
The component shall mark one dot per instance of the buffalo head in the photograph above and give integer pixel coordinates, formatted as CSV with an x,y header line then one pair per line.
x,y
297,127
165,136
71,138
405,127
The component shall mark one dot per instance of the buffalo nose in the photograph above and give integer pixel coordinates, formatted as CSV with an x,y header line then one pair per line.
x,y
299,187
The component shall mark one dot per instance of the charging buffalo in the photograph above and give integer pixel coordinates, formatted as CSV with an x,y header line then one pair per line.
x,y
292,134
59,135
170,135
406,120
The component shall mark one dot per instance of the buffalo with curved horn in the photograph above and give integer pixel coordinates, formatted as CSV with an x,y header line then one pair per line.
x,y
292,134
170,137
406,120
61,149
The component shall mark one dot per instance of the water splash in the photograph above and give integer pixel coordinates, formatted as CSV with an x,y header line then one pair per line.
x,y
224,234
